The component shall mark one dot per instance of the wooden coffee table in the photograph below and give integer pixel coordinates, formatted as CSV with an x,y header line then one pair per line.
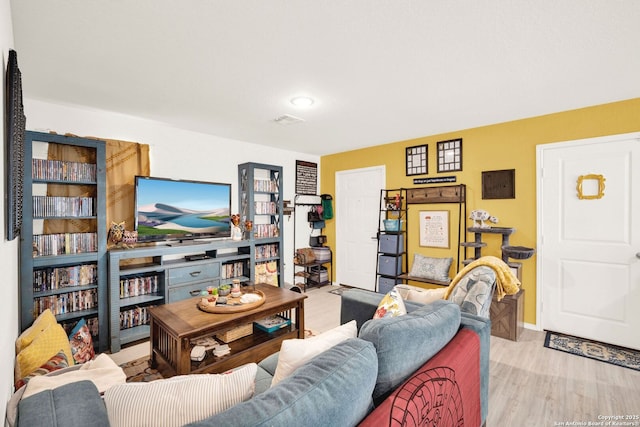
x,y
174,325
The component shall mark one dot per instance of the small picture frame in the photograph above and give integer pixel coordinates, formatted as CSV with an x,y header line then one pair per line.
x,y
417,160
450,155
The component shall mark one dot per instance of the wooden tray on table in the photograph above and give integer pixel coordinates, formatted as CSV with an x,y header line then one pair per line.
x,y
233,305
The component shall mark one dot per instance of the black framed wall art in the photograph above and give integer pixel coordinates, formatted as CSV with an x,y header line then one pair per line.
x,y
416,160
450,155
306,177
14,146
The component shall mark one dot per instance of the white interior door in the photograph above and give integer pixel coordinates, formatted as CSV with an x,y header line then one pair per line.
x,y
356,213
589,248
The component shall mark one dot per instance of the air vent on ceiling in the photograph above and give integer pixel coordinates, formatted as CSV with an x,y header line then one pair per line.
x,y
287,119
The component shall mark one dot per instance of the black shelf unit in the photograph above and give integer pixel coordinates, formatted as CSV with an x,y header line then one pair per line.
x,y
306,271
392,260
312,272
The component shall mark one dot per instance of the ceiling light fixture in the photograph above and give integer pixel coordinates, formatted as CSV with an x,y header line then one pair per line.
x,y
302,101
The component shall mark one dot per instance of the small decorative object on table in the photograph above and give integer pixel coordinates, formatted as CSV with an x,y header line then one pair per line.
x,y
229,304
235,289
198,353
118,236
248,226
236,232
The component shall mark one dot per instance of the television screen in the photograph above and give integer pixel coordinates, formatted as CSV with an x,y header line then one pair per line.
x,y
168,209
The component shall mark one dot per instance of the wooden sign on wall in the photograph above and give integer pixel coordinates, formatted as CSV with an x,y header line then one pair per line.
x,y
306,177
499,184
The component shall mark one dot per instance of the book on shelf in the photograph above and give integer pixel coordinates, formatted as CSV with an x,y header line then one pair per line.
x,y
60,206
272,323
52,278
133,317
64,243
60,170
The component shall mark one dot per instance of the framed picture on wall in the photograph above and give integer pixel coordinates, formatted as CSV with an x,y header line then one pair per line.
x,y
450,155
434,229
416,160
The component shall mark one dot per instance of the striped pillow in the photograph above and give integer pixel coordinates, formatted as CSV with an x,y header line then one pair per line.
x,y
179,400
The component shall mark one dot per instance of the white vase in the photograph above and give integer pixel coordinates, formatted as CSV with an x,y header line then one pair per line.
x,y
236,233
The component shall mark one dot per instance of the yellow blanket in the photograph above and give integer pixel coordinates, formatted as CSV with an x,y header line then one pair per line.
x,y
506,282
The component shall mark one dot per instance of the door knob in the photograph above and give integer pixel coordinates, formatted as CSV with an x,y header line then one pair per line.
x,y
638,255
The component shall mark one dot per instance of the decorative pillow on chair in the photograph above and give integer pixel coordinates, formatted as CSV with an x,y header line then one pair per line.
x,y
421,295
431,268
81,343
391,305
46,345
296,352
56,363
44,320
102,371
473,293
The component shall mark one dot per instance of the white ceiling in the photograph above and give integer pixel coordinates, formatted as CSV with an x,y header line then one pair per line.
x,y
381,71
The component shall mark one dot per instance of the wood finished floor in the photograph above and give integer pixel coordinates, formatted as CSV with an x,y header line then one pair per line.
x,y
530,385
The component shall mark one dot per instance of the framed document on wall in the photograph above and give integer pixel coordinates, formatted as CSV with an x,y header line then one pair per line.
x,y
434,229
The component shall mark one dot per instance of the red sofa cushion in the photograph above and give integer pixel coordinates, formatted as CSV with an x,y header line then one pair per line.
x,y
444,392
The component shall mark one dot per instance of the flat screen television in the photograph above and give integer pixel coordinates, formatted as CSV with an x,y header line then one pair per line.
x,y
168,209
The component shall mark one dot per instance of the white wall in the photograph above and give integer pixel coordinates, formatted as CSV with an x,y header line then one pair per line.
x,y
176,153
8,250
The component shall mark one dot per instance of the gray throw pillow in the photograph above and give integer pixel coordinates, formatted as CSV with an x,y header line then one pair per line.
x,y
404,343
431,268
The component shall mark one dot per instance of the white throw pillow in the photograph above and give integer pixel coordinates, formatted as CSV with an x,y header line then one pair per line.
x,y
296,352
179,400
416,294
102,371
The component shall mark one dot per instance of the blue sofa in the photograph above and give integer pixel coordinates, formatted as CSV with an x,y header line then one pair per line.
x,y
354,382
361,305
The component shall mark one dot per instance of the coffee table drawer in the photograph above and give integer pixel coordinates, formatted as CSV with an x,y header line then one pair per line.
x,y
178,293
191,273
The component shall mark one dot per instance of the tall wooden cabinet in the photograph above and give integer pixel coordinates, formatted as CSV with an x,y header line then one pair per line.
x,y
64,270
260,202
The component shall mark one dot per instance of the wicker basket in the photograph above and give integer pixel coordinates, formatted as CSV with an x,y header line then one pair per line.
x,y
236,333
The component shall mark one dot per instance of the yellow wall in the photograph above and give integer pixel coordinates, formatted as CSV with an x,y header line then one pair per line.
x,y
510,145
